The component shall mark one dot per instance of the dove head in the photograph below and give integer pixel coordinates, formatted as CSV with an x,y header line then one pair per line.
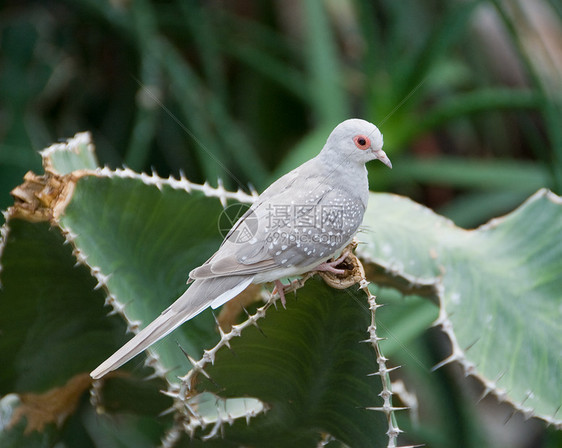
x,y
355,140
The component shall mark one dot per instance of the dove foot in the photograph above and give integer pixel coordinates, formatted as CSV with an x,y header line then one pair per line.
x,y
280,289
330,266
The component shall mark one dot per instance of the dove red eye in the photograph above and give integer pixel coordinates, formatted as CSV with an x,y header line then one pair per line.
x,y
362,142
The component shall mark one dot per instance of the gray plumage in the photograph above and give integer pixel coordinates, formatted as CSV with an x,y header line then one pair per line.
x,y
303,219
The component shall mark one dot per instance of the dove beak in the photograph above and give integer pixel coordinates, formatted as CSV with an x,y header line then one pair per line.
x,y
381,155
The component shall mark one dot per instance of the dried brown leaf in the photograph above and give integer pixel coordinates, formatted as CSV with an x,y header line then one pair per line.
x,y
53,406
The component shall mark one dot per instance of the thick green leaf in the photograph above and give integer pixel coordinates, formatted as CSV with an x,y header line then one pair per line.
x,y
126,246
40,347
310,366
139,236
401,320
471,210
76,154
146,240
83,429
127,431
54,329
499,288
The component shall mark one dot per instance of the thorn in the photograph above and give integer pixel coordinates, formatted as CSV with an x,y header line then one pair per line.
x,y
222,192
224,339
385,393
133,326
440,319
393,431
512,413
152,376
527,396
469,368
221,332
447,360
168,411
201,370
484,394
501,394
363,284
231,349
255,323
253,191
196,366
151,360
384,371
529,413
209,356
189,358
388,408
556,412
169,393
471,344
191,432
500,376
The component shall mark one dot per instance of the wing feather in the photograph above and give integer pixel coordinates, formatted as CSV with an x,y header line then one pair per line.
x,y
262,254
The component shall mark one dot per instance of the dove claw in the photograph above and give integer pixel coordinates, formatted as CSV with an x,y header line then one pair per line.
x,y
330,266
280,289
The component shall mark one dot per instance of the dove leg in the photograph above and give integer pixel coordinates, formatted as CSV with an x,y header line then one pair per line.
x,y
280,288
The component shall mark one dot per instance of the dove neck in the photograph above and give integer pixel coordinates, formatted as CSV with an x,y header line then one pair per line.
x,y
348,173
342,166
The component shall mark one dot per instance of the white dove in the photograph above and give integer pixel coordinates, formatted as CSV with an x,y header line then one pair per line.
x,y
304,219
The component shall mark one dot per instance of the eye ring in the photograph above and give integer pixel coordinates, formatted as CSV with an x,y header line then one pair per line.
x,y
362,142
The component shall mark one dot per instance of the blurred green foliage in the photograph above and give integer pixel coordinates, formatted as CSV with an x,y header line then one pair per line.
x,y
244,91
466,93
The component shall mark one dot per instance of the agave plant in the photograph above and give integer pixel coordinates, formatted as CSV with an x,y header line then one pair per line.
x,y
89,254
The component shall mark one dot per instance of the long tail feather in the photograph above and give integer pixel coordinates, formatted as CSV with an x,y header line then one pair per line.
x,y
201,294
